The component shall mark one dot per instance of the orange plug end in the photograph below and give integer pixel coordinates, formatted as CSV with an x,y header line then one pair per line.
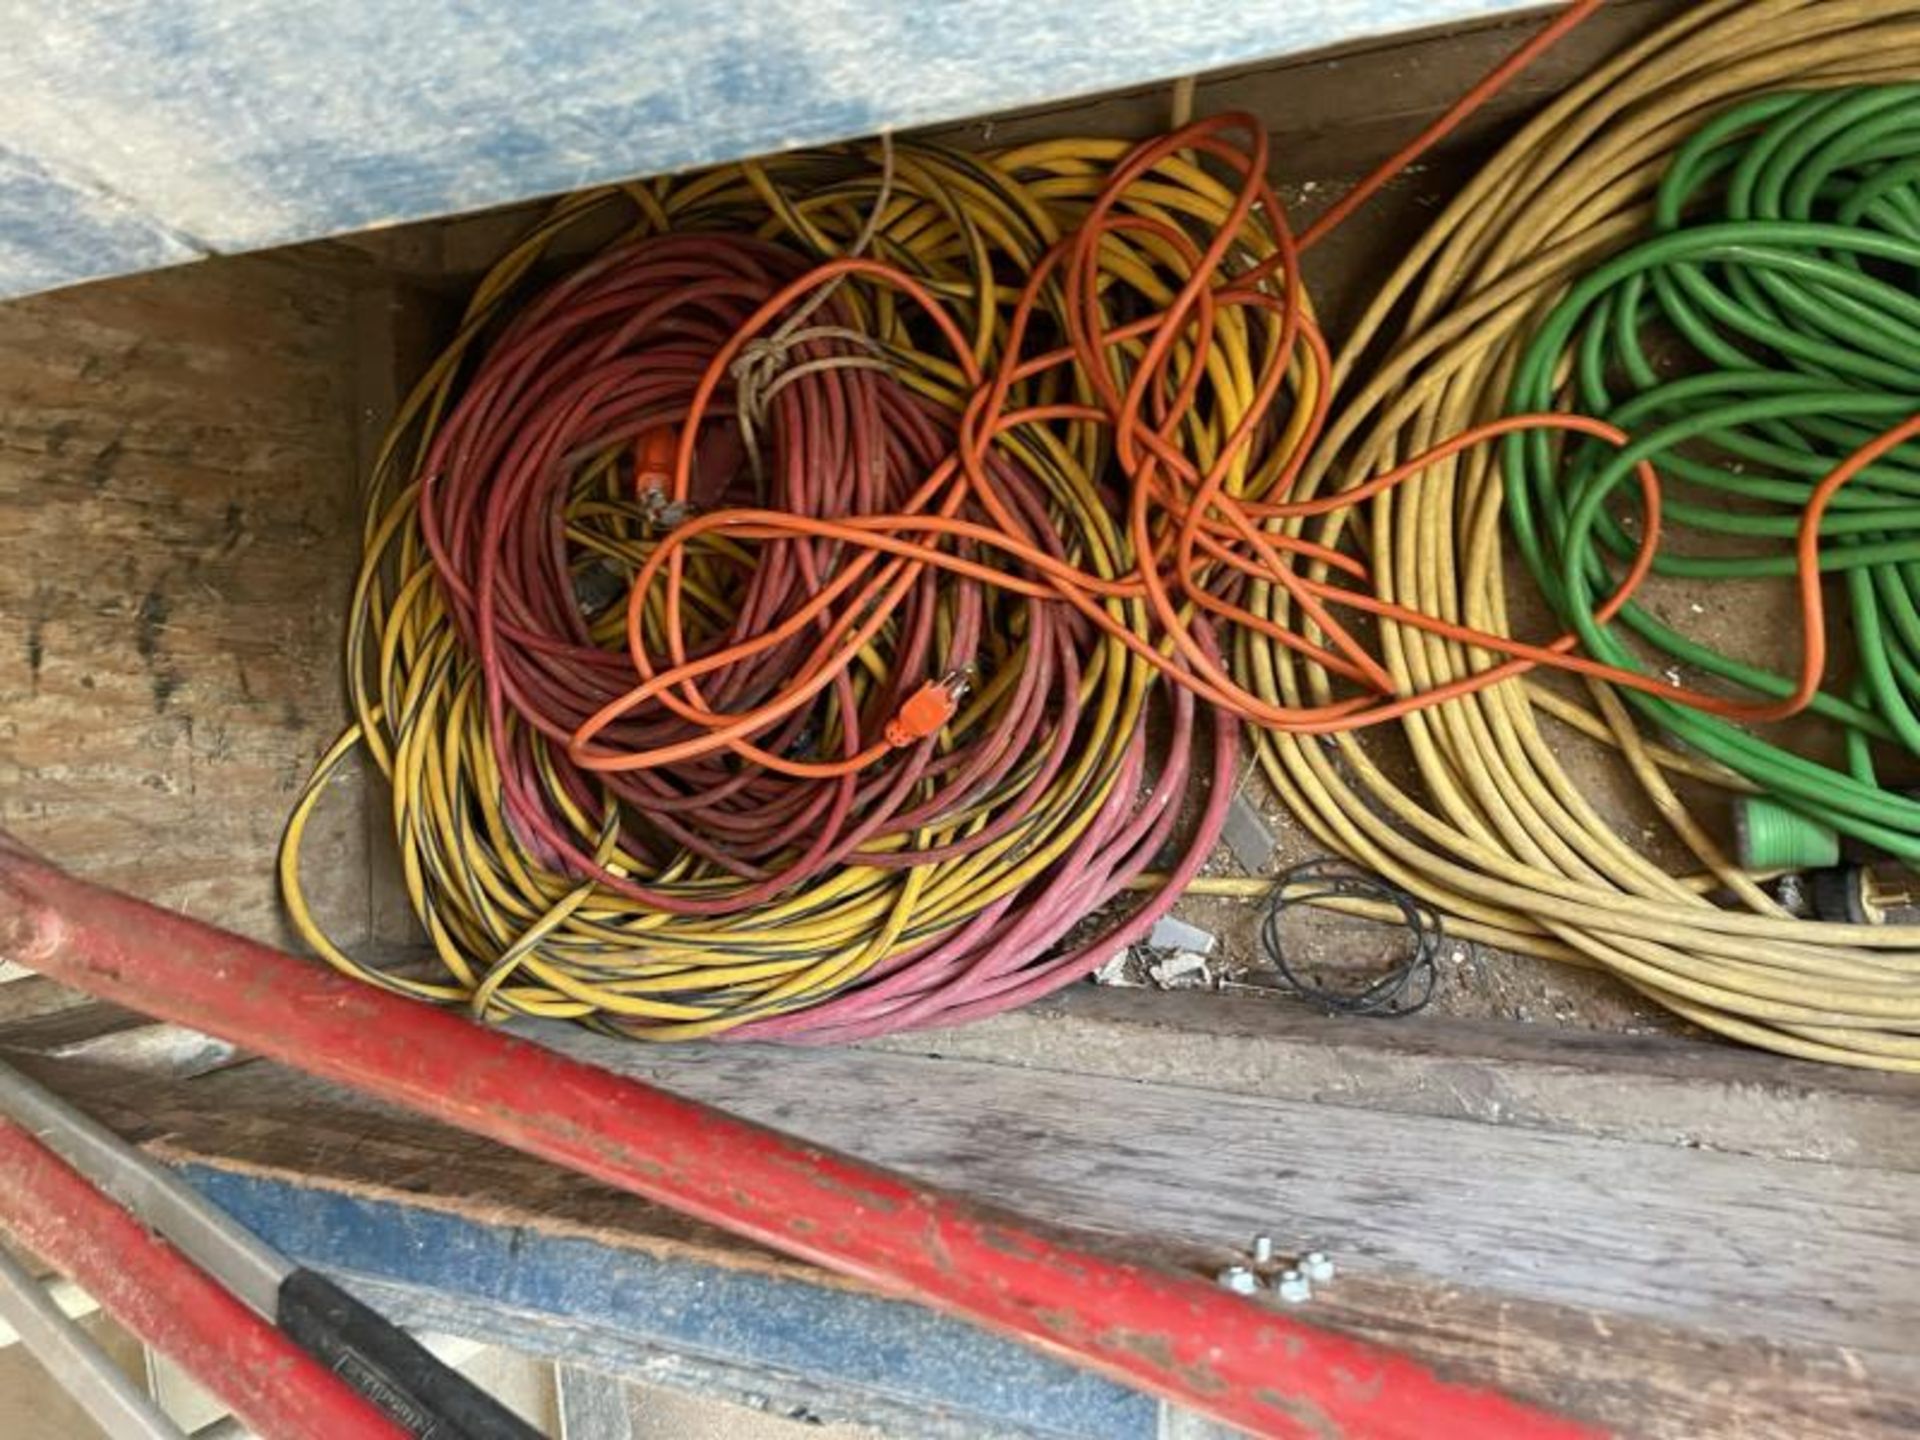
x,y
653,455
926,710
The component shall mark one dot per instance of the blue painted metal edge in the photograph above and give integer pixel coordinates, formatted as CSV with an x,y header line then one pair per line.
x,y
53,230
831,1337
242,124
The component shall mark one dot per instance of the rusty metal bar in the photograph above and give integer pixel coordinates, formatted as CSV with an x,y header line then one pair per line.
x,y
275,1387
1170,1334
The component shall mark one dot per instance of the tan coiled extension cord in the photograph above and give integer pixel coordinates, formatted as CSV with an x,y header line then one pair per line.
x,y
1497,830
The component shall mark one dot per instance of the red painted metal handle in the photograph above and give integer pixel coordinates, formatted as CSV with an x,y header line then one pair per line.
x,y
271,1384
1166,1333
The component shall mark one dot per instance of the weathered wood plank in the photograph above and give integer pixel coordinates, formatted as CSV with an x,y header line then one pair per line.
x,y
780,1341
1656,1089
1660,1089
1728,1244
1665,1292
177,536
1667,1231
1338,111
31,996
1330,114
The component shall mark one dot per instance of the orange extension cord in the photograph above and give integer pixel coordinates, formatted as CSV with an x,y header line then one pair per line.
x,y
1197,545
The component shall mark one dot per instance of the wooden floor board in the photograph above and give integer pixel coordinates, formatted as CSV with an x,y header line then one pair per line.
x,y
1656,1289
1662,1089
1731,1244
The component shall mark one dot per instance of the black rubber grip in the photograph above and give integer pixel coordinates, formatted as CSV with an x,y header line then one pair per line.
x,y
388,1366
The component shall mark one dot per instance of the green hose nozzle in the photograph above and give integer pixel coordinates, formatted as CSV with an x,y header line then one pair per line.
x,y
1772,836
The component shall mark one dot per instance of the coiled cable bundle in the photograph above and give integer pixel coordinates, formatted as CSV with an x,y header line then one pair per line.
x,y
1493,829
915,808
1763,347
841,499
1410,980
962,506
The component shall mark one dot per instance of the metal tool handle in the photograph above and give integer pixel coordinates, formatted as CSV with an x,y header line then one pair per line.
x,y
381,1361
389,1366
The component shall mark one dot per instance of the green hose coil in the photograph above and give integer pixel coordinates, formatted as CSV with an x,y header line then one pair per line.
x,y
1766,328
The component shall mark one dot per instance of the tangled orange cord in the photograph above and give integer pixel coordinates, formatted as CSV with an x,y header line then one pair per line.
x,y
1197,545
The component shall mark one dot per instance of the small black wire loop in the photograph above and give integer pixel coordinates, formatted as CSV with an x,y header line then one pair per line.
x,y
1405,989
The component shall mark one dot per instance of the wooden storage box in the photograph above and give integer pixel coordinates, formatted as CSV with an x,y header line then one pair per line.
x,y
1540,1185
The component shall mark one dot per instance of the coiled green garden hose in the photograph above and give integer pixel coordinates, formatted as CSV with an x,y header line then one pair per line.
x,y
1767,329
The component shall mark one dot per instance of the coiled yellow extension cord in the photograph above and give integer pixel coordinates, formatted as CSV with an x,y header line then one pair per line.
x,y
516,934
1495,830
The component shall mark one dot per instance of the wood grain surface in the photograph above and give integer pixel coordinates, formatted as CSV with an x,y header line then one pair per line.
x,y
142,133
177,536
1657,1290
1663,1089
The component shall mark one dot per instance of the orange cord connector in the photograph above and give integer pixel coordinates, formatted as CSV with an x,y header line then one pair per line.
x,y
653,454
926,711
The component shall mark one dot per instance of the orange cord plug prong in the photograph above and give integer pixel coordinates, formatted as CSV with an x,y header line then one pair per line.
x,y
927,710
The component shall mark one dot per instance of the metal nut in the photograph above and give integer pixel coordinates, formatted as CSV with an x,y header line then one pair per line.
x,y
1317,1267
1239,1279
1294,1288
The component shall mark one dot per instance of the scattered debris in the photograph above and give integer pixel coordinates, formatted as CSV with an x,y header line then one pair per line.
x,y
1317,1267
1251,987
1294,1288
1117,971
1239,1279
1182,970
1263,1249
1170,932
1247,836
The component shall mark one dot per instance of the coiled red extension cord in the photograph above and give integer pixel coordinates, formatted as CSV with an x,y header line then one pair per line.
x,y
613,354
